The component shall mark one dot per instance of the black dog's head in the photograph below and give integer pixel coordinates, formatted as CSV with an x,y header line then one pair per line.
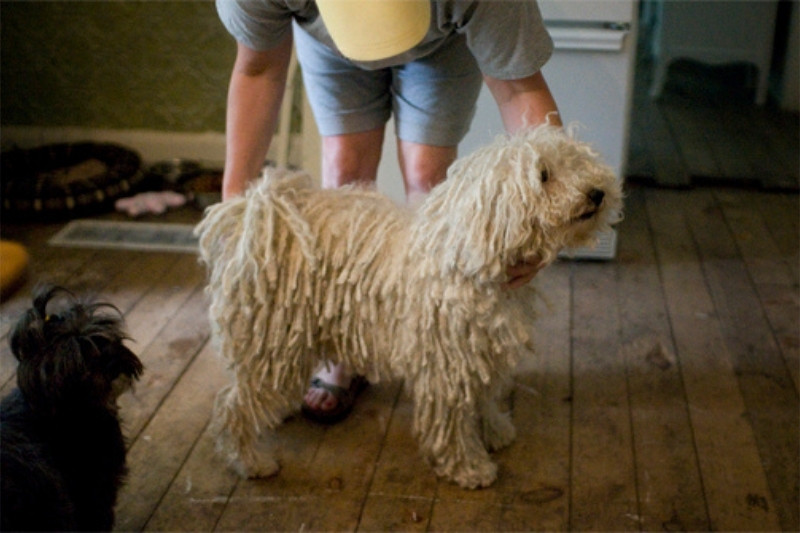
x,y
71,356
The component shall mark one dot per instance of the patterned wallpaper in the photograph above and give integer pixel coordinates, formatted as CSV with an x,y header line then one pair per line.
x,y
157,65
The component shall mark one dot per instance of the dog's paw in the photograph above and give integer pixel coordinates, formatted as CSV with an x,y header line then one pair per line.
x,y
498,432
255,467
246,461
476,476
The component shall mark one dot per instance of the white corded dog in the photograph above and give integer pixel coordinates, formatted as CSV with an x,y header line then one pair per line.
x,y
299,275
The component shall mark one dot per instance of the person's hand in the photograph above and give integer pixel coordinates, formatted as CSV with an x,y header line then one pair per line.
x,y
521,273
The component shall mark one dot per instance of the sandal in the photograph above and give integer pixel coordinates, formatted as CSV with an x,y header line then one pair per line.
x,y
345,399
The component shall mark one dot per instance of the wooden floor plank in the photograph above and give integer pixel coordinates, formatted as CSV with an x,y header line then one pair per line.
x,y
403,487
389,512
163,298
167,440
732,474
297,443
134,275
734,144
765,159
767,388
198,495
689,134
50,265
535,482
668,480
330,477
733,162
464,515
715,135
668,165
323,512
165,360
776,283
781,214
780,135
603,478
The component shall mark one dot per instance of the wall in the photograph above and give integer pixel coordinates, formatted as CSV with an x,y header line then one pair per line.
x,y
789,92
152,65
130,69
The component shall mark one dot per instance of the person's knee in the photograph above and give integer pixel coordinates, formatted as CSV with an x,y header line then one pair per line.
x,y
424,167
351,158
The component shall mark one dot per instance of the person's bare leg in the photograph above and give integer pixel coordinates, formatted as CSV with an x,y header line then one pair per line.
x,y
424,166
350,158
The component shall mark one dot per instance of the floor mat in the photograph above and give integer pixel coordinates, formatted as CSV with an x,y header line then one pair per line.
x,y
144,236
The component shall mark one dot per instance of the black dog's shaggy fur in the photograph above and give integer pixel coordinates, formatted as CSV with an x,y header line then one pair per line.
x,y
63,453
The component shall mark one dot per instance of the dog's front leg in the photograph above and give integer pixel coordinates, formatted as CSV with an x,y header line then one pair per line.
x,y
238,425
450,439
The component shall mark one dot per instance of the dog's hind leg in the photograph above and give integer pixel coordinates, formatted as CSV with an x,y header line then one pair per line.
x,y
239,424
498,430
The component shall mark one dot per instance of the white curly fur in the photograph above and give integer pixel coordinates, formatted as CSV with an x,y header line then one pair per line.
x,y
299,275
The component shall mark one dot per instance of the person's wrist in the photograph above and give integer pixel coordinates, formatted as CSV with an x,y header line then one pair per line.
x,y
521,273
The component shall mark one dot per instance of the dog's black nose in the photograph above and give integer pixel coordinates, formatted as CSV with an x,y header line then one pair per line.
x,y
596,196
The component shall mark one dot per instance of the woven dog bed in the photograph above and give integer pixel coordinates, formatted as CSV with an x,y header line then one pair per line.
x,y
67,180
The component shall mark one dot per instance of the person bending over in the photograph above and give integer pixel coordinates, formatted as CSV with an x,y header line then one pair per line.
x,y
362,61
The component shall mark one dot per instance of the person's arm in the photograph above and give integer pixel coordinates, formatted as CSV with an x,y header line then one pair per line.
x,y
255,92
524,102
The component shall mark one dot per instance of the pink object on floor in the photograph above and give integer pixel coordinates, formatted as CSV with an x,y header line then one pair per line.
x,y
150,202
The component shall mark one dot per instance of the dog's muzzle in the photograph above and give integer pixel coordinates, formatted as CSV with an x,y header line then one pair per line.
x,y
595,197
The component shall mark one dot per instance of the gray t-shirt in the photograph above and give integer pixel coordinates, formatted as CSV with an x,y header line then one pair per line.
x,y
507,37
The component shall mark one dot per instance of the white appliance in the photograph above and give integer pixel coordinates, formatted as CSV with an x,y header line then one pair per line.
x,y
591,76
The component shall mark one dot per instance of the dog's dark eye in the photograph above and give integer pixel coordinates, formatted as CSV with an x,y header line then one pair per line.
x,y
545,175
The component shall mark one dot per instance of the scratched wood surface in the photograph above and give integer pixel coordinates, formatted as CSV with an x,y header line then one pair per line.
x,y
664,394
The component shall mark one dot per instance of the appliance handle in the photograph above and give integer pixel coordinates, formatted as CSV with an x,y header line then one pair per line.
x,y
603,38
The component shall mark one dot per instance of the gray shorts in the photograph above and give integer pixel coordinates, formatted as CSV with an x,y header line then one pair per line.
x,y
432,98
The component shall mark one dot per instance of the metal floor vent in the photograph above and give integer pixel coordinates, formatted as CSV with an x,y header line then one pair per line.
x,y
163,237
144,236
604,250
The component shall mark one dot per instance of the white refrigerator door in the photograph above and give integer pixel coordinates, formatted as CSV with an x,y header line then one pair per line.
x,y
591,78
590,75
618,11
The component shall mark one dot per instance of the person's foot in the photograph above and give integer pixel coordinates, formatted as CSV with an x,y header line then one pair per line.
x,y
321,399
331,395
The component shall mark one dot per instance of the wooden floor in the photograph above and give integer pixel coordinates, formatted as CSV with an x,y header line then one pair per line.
x,y
664,395
705,129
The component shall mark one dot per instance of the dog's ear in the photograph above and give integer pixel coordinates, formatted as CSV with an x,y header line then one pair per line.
x,y
28,337
481,216
122,361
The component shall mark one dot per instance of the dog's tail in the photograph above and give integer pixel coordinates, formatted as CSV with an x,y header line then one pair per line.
x,y
259,251
244,226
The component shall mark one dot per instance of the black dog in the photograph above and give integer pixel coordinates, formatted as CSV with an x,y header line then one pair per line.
x,y
63,453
